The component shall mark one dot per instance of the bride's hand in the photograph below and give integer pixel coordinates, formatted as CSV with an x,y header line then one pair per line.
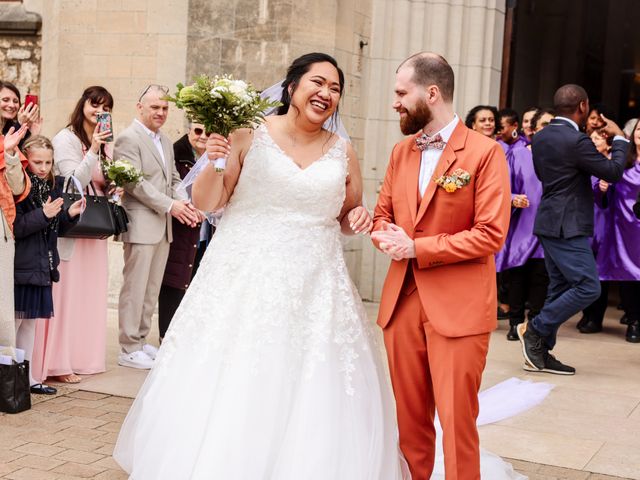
x,y
218,147
360,220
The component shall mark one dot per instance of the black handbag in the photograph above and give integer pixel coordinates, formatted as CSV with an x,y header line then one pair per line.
x,y
15,395
97,220
121,218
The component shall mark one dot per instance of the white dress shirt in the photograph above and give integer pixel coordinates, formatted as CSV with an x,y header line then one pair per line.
x,y
431,156
157,141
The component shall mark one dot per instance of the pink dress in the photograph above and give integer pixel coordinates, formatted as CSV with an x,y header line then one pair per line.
x,y
74,340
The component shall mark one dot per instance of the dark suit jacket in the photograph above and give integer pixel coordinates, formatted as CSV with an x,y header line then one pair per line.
x,y
564,160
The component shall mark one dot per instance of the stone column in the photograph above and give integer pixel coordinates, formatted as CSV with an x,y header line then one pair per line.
x,y
468,33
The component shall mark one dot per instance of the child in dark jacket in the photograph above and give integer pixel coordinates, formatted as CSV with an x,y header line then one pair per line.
x,y
38,219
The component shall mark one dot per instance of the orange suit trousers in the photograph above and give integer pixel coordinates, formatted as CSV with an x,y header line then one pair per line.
x,y
430,371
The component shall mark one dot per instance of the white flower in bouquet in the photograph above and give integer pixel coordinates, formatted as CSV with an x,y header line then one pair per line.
x,y
121,172
222,104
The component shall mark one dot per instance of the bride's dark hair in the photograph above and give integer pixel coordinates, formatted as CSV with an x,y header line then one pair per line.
x,y
297,69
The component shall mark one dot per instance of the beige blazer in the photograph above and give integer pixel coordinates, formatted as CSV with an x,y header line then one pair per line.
x,y
148,203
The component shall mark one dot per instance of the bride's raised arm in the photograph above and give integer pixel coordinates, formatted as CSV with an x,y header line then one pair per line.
x,y
212,189
354,218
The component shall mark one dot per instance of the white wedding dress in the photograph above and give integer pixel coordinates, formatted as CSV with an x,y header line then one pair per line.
x,y
270,369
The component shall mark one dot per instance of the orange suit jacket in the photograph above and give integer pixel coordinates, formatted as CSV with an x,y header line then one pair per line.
x,y
456,234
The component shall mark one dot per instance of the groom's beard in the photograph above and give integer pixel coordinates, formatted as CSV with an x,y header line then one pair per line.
x,y
412,122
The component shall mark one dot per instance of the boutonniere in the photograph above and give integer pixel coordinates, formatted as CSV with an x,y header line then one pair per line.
x,y
457,179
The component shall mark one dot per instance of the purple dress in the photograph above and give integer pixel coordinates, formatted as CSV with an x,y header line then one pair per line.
x,y
619,253
600,215
521,244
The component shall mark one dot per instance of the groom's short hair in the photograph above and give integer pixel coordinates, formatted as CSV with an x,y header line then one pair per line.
x,y
432,69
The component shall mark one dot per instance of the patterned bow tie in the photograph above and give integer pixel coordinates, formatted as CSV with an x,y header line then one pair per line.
x,y
424,141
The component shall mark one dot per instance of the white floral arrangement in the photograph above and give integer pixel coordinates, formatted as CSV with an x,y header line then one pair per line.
x,y
222,104
121,172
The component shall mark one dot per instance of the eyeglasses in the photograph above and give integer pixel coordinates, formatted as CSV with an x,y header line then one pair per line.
x,y
198,131
163,88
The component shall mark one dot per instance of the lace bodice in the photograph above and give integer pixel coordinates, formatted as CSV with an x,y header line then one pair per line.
x,y
275,189
274,273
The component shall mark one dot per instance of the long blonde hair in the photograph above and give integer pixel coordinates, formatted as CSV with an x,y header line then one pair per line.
x,y
42,142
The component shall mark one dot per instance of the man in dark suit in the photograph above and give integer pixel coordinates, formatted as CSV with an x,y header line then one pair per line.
x,y
564,160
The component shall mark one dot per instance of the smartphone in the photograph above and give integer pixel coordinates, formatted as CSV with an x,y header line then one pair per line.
x,y
29,99
104,122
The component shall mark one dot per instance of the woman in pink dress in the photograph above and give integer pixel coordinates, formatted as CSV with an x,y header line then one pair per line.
x,y
74,341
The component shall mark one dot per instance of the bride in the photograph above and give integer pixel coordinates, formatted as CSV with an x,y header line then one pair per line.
x,y
270,369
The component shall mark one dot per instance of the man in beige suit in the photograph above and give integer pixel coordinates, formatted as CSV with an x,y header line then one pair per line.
x,y
150,205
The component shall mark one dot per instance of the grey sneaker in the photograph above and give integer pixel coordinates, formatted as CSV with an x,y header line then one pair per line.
x,y
533,348
552,365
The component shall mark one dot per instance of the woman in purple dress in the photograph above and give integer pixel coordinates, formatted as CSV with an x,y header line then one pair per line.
x,y
593,315
619,254
522,257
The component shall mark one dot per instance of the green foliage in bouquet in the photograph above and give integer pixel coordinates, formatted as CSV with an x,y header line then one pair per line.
x,y
121,172
222,104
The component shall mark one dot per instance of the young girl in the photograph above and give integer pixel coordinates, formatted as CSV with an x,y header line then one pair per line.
x,y
38,219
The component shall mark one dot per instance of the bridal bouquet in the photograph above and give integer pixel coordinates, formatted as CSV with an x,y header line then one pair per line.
x,y
222,104
121,172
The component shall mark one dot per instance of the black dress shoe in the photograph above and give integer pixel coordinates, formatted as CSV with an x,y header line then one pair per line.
x,y
512,334
581,322
502,315
633,333
41,389
624,320
590,327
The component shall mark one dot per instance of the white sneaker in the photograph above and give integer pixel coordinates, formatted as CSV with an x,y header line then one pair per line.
x,y
150,350
137,359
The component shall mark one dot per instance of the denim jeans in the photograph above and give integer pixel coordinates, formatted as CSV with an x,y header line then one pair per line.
x,y
573,283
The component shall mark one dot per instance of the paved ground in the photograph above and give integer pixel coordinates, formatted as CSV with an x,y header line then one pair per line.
x,y
587,429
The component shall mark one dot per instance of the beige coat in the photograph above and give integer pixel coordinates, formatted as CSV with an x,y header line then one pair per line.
x,y
148,203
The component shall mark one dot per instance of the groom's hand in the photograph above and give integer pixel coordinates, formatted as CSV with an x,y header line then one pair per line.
x,y
395,242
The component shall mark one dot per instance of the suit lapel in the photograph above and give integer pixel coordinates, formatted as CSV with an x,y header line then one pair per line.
x,y
456,142
148,142
167,147
413,174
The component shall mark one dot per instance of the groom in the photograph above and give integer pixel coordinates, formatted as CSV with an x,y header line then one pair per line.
x,y
442,213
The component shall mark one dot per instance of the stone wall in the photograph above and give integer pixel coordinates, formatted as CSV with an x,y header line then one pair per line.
x,y
20,47
20,62
122,45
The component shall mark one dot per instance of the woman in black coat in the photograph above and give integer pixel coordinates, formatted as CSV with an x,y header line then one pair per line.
x,y
189,243
38,219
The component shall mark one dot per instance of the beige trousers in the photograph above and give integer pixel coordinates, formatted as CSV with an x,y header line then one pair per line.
x,y
7,312
142,278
